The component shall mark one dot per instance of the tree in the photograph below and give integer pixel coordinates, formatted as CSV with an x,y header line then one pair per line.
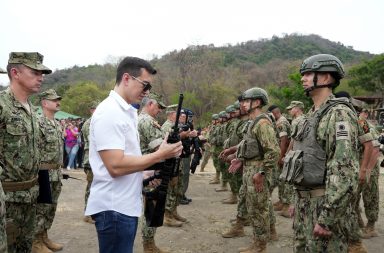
x,y
282,96
79,97
369,75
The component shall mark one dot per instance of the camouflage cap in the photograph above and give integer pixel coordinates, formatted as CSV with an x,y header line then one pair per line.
x,y
295,104
158,98
33,60
49,94
171,108
2,71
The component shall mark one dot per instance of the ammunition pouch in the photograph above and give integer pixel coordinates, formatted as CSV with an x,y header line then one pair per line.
x,y
250,149
49,166
292,172
12,232
18,186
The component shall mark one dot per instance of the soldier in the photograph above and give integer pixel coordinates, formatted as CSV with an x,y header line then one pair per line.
x,y
51,147
20,157
207,148
370,186
87,166
295,109
284,131
258,154
236,178
171,202
323,163
237,229
220,135
151,137
3,234
212,140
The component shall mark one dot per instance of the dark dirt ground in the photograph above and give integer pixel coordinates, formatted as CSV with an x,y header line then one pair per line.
x,y
207,216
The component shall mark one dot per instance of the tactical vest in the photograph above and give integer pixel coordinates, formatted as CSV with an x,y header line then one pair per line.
x,y
305,165
250,147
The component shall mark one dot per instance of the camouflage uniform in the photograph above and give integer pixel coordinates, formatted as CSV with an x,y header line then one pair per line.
x,y
212,139
151,137
369,191
171,202
285,190
258,204
330,207
234,180
87,166
3,234
19,158
207,151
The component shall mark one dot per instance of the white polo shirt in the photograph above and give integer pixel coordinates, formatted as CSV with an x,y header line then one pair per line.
x,y
114,126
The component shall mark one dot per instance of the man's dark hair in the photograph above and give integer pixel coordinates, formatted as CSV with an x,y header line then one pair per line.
x,y
133,66
272,107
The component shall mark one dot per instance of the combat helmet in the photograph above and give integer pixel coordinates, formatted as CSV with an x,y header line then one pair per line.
x,y
215,116
236,105
255,93
230,108
323,63
223,114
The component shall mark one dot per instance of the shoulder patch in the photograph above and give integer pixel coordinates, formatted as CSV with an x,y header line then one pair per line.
x,y
342,130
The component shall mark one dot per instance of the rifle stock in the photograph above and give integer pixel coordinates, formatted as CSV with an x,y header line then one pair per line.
x,y
155,199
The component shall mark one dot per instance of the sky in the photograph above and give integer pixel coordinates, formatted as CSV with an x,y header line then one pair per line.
x,y
84,32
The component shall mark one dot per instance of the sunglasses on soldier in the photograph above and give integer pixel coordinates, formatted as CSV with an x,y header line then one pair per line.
x,y
146,85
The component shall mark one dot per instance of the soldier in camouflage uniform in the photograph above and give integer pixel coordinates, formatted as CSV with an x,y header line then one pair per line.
x,y
323,164
51,147
369,188
221,136
235,179
237,229
87,167
3,234
151,137
206,147
19,151
212,142
258,154
171,202
284,132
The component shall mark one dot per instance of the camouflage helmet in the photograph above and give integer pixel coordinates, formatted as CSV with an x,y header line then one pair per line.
x,y
255,93
237,105
230,108
215,116
223,114
323,63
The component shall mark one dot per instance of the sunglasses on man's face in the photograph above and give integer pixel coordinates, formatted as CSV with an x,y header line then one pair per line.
x,y
146,85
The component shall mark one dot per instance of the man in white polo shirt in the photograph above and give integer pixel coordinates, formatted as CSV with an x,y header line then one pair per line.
x,y
117,163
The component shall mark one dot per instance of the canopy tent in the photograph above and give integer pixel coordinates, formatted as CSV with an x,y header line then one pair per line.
x,y
60,114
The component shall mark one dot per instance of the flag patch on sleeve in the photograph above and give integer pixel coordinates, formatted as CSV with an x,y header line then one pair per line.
x,y
342,130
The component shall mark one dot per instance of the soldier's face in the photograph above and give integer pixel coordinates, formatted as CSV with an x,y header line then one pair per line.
x,y
52,105
29,79
245,105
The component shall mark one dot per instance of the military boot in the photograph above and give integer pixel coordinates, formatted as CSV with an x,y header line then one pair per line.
x,y
149,246
257,246
170,221
273,234
356,247
178,217
38,245
223,187
285,211
369,231
216,179
50,244
231,200
237,229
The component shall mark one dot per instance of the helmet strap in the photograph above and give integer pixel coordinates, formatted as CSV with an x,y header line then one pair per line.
x,y
315,86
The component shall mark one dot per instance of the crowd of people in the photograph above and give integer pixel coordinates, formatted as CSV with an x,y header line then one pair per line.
x,y
321,161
